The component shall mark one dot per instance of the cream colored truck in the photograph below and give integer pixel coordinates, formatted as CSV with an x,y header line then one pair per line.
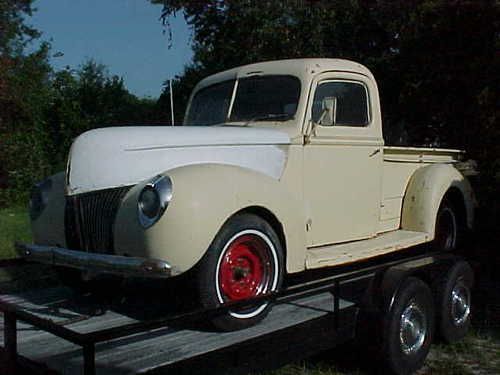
x,y
280,167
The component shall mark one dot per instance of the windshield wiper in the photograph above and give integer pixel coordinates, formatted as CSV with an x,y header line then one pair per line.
x,y
270,116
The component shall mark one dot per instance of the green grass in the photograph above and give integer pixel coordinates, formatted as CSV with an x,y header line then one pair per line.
x,y
308,368
478,353
14,226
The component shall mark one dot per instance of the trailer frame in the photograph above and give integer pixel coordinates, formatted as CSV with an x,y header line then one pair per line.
x,y
87,341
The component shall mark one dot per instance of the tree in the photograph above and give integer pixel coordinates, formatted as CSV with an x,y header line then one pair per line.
x,y
42,111
436,61
23,100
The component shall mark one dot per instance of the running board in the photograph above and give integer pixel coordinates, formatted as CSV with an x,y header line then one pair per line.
x,y
349,252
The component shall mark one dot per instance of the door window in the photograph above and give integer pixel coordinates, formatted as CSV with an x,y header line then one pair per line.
x,y
352,102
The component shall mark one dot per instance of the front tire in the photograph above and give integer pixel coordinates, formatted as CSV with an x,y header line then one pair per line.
x,y
244,260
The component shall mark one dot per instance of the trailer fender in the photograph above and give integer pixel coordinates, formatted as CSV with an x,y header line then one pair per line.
x,y
426,190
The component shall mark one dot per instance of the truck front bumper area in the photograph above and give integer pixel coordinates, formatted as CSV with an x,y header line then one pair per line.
x,y
95,262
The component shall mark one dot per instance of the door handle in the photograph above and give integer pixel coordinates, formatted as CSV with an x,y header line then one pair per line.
x,y
374,152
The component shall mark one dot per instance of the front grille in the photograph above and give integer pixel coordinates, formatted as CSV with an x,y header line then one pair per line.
x,y
89,219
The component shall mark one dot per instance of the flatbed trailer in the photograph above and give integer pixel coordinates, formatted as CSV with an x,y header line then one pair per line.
x,y
55,330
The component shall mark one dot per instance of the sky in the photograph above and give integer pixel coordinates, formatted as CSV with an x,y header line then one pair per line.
x,y
124,35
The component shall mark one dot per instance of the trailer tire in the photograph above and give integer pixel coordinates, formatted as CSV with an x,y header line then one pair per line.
x,y
408,328
453,301
244,260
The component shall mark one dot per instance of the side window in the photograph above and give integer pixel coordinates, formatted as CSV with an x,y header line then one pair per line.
x,y
352,102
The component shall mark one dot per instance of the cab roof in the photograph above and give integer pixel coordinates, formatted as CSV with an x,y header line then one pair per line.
x,y
302,68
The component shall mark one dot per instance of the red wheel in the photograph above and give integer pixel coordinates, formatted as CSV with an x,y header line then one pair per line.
x,y
245,260
246,268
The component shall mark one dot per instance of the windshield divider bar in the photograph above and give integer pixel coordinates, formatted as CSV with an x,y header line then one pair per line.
x,y
233,96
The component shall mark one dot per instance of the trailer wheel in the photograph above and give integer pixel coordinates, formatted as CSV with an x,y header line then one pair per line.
x,y
447,227
408,328
453,301
244,260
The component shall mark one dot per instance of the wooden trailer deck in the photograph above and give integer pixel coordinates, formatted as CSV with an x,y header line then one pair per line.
x,y
131,331
159,348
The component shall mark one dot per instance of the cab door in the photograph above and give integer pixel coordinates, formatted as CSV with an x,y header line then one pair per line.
x,y
343,162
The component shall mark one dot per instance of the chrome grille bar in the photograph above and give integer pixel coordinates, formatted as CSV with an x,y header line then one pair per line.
x,y
90,218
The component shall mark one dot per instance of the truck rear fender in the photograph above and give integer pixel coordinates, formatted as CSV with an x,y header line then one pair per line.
x,y
425,191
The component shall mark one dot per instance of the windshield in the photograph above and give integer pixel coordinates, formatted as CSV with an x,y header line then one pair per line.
x,y
258,98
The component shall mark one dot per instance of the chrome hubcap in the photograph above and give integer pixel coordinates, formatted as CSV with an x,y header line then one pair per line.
x,y
412,328
460,303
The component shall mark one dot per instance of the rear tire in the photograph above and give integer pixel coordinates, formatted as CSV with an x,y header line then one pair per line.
x,y
408,328
244,260
448,232
453,301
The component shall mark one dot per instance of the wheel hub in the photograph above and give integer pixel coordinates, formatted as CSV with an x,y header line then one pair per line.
x,y
245,270
412,329
460,303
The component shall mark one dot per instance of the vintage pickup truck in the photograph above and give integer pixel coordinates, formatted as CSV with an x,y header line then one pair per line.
x,y
280,167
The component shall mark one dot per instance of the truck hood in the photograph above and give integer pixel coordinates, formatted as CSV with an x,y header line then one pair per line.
x,y
122,156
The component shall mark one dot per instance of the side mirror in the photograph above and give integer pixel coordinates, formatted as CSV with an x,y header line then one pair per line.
x,y
329,111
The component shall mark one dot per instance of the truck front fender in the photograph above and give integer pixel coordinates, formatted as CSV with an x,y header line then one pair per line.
x,y
204,197
426,190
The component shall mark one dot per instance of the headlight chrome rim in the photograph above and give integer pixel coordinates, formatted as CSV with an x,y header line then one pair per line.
x,y
162,187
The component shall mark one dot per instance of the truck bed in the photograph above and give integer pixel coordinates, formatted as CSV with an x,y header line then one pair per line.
x,y
399,165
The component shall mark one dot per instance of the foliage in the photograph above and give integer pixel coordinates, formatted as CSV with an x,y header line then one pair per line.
x,y
14,33
432,54
42,111
88,98
24,96
14,226
436,61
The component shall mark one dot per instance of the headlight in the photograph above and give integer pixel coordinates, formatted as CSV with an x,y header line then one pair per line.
x,y
153,200
39,198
